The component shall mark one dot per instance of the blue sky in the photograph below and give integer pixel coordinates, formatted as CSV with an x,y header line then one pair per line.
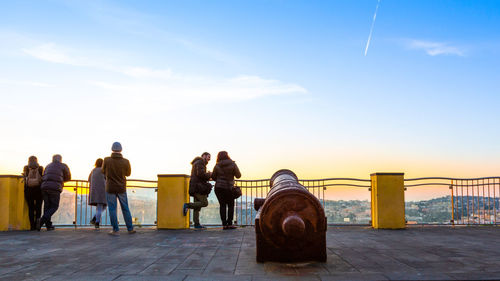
x,y
276,83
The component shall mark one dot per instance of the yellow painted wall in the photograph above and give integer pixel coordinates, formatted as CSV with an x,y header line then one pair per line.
x,y
388,202
172,194
13,207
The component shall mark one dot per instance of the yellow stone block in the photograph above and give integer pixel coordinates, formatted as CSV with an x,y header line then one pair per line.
x,y
388,200
172,194
13,207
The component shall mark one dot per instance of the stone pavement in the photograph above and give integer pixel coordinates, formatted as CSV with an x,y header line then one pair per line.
x,y
354,253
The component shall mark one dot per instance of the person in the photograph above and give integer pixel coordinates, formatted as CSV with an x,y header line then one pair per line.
x,y
199,188
54,177
32,174
97,192
224,173
115,169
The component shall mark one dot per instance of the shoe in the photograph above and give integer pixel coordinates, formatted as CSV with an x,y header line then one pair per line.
x,y
38,224
231,226
93,221
50,228
132,231
96,225
114,233
224,227
199,226
185,209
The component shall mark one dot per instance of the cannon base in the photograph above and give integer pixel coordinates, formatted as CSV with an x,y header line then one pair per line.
x,y
267,252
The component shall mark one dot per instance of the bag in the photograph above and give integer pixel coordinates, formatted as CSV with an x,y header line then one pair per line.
x,y
34,178
204,188
236,192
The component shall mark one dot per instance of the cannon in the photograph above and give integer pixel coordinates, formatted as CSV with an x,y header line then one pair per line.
x,y
290,225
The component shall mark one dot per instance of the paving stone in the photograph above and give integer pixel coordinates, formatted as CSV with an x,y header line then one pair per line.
x,y
354,253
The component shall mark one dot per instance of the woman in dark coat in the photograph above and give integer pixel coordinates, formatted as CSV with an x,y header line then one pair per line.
x,y
97,192
32,174
223,174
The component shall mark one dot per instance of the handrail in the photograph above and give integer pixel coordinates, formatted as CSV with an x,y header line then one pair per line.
x,y
446,178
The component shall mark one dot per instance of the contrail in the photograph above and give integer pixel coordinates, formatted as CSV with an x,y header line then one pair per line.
x,y
371,29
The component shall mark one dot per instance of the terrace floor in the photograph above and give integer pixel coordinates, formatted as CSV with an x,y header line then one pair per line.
x,y
354,253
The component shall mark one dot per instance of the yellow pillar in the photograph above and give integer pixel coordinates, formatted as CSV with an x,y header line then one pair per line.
x,y
388,200
13,207
172,194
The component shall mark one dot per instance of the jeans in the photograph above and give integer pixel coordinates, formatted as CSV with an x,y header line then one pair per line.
x,y
50,205
122,197
226,203
33,196
100,208
200,201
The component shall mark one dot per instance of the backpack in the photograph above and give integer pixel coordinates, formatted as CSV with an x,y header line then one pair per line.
x,y
34,178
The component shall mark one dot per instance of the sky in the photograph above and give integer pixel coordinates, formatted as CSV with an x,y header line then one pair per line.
x,y
277,84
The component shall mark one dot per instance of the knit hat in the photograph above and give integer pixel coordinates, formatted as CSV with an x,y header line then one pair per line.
x,y
117,147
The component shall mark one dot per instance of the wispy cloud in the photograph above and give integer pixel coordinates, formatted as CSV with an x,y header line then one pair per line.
x,y
433,48
53,53
163,85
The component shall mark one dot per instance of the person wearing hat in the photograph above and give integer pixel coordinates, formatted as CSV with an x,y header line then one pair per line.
x,y
116,168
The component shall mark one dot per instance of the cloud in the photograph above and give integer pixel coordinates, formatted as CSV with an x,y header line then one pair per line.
x,y
52,53
26,83
435,48
145,85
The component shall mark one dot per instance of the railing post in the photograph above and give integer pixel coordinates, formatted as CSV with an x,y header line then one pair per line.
x,y
13,207
172,194
388,203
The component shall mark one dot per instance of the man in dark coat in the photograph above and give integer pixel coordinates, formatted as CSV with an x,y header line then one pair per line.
x,y
54,177
116,169
199,187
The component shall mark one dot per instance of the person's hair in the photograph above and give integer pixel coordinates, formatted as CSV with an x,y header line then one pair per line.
x,y
33,162
222,155
98,162
205,153
56,158
32,159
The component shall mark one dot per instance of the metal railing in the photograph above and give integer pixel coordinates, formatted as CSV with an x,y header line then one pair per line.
x,y
457,201
469,201
75,211
336,211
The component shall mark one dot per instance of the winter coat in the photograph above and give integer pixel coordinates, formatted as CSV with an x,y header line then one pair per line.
x,y
198,184
224,173
97,187
116,169
54,176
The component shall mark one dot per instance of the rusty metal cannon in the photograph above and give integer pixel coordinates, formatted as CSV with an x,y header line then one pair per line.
x,y
290,224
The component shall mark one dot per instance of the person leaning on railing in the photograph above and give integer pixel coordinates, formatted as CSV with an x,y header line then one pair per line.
x,y
224,173
54,177
116,169
199,188
32,174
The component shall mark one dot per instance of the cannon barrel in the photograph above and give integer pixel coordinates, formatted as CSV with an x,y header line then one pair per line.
x,y
290,224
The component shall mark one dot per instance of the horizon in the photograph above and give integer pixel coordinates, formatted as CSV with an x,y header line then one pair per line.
x,y
335,89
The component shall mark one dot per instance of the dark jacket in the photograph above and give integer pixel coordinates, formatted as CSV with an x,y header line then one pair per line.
x,y
54,176
116,169
224,173
26,171
198,184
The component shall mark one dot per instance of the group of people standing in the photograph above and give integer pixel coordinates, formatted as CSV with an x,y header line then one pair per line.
x,y
224,173
107,184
